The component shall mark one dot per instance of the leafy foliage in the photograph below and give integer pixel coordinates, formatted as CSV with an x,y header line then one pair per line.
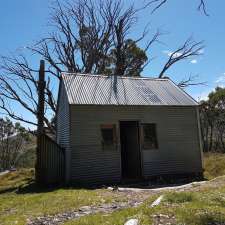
x,y
12,140
212,114
132,59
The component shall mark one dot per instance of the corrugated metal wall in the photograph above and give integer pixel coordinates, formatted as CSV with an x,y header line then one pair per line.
x,y
89,162
179,149
52,161
63,121
177,131
63,128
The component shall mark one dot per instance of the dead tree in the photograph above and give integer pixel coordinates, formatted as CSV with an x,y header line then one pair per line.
x,y
87,37
84,40
40,119
92,38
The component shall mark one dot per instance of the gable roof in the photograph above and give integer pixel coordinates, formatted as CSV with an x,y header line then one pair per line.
x,y
87,89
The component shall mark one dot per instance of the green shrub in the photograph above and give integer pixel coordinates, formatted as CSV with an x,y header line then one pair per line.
x,y
205,218
180,197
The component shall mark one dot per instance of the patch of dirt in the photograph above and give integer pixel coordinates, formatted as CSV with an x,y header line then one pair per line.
x,y
83,211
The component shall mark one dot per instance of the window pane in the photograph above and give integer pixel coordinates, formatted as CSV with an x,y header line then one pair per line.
x,y
108,133
149,136
107,136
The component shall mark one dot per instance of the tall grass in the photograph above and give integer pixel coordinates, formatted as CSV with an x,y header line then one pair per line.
x,y
214,165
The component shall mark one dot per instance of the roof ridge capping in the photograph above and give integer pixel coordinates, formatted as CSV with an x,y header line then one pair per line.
x,y
121,77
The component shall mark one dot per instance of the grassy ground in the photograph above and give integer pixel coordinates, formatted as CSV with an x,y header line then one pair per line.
x,y
204,208
20,199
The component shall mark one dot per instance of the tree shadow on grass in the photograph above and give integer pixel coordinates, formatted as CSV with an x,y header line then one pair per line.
x,y
33,188
30,187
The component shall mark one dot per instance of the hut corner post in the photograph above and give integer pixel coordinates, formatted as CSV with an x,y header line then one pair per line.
x,y
39,173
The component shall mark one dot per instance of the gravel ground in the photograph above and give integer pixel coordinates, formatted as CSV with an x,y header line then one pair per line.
x,y
83,211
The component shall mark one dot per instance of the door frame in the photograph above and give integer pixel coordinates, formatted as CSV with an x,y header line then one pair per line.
x,y
139,149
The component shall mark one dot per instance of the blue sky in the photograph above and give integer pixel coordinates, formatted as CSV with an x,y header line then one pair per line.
x,y
22,22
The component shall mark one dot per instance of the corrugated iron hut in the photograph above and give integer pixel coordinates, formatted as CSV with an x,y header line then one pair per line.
x,y
116,128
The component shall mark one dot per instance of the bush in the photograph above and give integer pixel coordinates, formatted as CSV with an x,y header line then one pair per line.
x,y
179,197
214,165
205,218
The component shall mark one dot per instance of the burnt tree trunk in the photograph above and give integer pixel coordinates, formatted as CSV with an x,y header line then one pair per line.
x,y
40,120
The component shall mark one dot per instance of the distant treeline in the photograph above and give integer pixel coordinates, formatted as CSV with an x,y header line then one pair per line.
x,y
212,116
17,145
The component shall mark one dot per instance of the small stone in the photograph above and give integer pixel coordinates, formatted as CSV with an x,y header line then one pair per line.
x,y
162,215
55,220
110,188
132,222
157,201
84,208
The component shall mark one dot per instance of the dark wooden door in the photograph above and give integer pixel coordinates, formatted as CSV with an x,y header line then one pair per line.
x,y
130,149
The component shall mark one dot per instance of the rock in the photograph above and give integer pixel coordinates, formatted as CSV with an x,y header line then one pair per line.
x,y
157,201
85,208
165,216
136,204
110,188
113,188
132,222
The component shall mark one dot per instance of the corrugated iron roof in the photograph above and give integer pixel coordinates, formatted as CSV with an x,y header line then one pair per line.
x,y
90,89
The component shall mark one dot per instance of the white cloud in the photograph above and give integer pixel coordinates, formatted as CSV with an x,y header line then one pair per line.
x,y
169,53
165,52
193,61
201,51
221,79
201,96
177,54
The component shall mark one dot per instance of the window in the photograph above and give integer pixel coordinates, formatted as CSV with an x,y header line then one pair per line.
x,y
108,133
149,136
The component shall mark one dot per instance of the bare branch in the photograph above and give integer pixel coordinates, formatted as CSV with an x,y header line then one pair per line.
x,y
18,86
202,7
12,114
189,49
159,3
190,81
